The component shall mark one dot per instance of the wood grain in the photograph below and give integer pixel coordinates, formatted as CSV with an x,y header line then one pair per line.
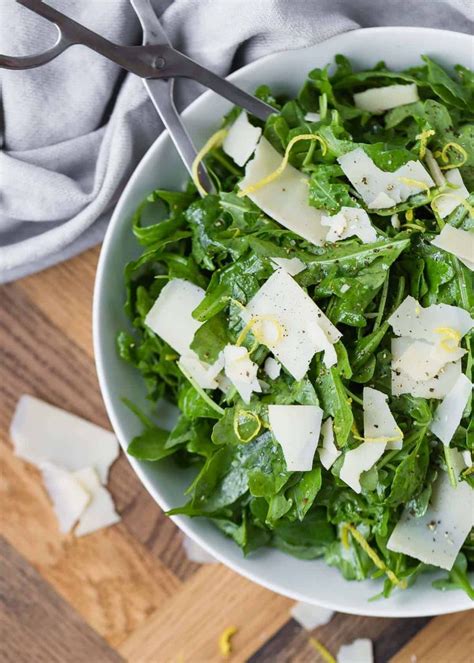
x,y
36,624
447,639
190,624
131,585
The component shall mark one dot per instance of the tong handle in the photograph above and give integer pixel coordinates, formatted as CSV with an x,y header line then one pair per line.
x,y
151,61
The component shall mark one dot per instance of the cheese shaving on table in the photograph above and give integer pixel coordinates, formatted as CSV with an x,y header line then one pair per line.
x,y
437,537
359,651
241,139
296,428
458,242
310,616
328,452
100,511
42,432
349,222
448,414
283,317
381,189
241,371
68,496
284,199
380,99
292,266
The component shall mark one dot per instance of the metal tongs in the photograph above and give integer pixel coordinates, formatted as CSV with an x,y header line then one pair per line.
x,y
156,62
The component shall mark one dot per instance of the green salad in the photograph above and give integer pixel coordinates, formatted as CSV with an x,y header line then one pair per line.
x,y
311,320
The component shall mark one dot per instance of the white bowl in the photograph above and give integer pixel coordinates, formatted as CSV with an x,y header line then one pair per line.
x,y
310,581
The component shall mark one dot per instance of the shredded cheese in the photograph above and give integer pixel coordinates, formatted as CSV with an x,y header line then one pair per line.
x,y
225,646
322,651
214,141
374,557
278,171
445,159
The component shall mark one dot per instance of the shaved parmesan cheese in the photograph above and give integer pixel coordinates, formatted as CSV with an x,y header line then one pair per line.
x,y
382,201
380,432
296,428
272,368
204,374
285,199
328,452
422,361
437,537
359,651
359,460
395,221
196,553
379,423
452,196
41,432
241,140
449,412
288,322
381,189
311,616
292,266
241,371
68,496
467,458
432,323
458,242
348,222
100,512
312,117
171,315
436,387
380,99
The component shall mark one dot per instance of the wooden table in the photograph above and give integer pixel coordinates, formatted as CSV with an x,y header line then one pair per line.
x,y
129,592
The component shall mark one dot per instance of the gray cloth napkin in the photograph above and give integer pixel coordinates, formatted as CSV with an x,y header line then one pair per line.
x,y
73,130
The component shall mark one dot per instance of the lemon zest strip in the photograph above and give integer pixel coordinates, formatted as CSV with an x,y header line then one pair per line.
x,y
423,138
460,200
278,171
322,651
450,338
382,438
367,548
457,148
225,646
250,415
214,141
410,182
257,319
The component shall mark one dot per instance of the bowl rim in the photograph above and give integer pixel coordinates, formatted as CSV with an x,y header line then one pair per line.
x,y
181,521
